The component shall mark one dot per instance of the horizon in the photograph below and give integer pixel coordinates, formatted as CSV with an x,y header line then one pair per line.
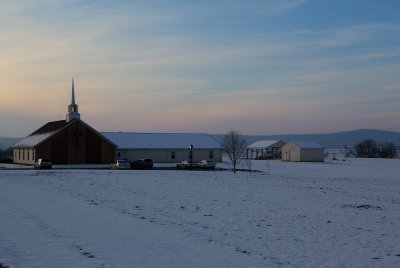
x,y
243,134
265,68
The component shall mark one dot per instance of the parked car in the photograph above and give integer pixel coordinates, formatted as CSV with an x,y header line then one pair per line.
x,y
142,164
204,164
184,165
121,164
42,163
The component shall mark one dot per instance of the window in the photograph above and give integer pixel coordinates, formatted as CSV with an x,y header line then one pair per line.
x,y
211,155
33,155
172,155
19,153
118,155
28,154
23,154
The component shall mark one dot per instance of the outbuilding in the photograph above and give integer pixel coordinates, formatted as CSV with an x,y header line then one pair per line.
x,y
165,147
302,151
265,149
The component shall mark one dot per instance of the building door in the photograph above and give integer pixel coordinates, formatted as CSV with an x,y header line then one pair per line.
x,y
293,155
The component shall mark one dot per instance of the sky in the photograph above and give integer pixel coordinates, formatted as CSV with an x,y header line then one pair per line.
x,y
259,67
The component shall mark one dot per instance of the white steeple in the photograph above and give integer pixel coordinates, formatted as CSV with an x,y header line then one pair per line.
x,y
72,108
73,92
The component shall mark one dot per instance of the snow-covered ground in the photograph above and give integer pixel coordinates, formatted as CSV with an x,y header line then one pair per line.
x,y
331,214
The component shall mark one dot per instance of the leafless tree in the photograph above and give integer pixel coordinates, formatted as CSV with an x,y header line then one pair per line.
x,y
248,164
5,154
388,150
234,145
367,148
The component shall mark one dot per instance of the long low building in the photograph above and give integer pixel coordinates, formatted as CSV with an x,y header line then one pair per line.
x,y
165,147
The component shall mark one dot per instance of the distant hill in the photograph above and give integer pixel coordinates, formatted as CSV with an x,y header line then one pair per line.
x,y
7,142
334,140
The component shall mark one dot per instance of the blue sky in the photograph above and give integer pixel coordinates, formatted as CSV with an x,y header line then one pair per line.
x,y
261,67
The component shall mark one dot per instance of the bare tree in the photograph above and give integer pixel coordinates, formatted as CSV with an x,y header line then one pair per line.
x,y
388,150
248,164
5,154
367,148
234,145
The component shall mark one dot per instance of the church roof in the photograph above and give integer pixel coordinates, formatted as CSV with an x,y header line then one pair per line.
x,y
51,127
48,130
129,140
42,134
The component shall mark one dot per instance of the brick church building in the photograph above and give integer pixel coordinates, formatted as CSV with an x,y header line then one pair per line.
x,y
69,141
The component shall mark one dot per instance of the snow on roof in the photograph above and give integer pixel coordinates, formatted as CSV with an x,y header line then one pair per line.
x,y
33,140
49,129
41,134
308,144
128,140
264,144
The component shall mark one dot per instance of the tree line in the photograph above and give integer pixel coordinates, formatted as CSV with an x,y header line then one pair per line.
x,y
369,148
6,154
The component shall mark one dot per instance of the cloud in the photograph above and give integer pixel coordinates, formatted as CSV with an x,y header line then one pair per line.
x,y
347,36
174,63
285,5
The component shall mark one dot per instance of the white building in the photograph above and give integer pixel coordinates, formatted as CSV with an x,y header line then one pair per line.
x,y
165,147
302,151
267,149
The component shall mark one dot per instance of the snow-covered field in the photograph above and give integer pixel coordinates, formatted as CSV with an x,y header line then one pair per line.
x,y
332,214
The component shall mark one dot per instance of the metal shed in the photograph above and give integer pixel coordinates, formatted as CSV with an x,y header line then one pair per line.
x,y
302,151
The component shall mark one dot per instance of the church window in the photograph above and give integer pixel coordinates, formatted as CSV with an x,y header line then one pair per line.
x,y
73,109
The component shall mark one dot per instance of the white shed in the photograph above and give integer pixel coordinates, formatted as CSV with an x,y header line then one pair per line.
x,y
165,147
302,151
266,149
